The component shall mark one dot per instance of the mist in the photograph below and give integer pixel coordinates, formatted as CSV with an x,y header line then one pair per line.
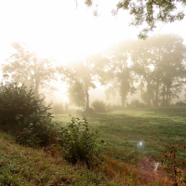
x,y
92,92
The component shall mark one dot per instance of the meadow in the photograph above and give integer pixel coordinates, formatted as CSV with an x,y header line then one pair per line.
x,y
135,132
131,138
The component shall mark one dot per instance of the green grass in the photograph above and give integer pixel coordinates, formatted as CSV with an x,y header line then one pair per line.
x,y
23,166
122,129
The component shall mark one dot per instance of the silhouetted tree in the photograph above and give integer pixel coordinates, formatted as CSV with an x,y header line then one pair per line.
x,y
119,75
80,77
159,61
26,68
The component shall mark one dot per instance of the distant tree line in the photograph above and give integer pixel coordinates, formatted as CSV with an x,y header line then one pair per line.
x,y
156,67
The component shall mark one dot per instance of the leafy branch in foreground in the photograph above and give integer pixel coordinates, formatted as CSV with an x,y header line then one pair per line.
x,y
148,12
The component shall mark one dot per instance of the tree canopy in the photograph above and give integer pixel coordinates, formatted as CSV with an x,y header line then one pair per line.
x,y
149,12
80,78
119,75
156,66
160,62
27,68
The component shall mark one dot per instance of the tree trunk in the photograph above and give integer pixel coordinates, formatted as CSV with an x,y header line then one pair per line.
x,y
163,101
168,96
148,93
157,92
123,101
87,99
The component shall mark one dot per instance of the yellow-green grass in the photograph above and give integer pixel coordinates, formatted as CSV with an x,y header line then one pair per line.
x,y
23,166
123,130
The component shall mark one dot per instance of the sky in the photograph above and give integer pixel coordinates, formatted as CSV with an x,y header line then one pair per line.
x,y
57,29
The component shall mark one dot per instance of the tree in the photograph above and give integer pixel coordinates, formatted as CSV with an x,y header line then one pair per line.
x,y
76,94
143,60
80,76
119,74
159,61
26,68
149,12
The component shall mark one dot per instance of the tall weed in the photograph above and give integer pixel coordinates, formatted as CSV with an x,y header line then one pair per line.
x,y
79,142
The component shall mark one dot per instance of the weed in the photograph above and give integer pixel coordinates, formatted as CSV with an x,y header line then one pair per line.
x,y
79,142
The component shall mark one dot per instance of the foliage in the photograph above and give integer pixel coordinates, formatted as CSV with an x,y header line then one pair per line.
x,y
180,103
18,102
38,131
79,142
80,77
159,64
23,114
119,75
150,12
76,94
99,106
26,68
136,104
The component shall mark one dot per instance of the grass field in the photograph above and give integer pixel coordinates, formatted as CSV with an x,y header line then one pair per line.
x,y
124,164
122,129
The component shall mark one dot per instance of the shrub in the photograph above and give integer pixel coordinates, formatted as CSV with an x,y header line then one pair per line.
x,y
136,104
39,131
79,142
180,103
22,114
18,102
99,106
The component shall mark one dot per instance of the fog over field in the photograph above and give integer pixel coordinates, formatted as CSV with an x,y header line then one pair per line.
x,y
68,32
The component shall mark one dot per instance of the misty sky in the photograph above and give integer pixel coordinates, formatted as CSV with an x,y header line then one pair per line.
x,y
55,28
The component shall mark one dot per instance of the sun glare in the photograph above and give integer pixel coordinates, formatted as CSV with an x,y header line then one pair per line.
x,y
57,29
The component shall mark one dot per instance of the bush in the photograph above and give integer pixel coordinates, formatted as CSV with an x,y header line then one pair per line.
x,y
136,104
99,106
22,114
180,104
18,102
39,131
79,142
